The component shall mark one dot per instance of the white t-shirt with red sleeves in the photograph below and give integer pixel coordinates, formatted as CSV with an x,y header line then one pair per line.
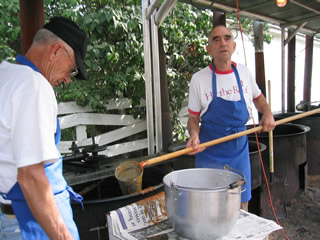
x,y
200,91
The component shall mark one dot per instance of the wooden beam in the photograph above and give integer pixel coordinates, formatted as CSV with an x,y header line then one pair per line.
x,y
31,20
308,69
291,74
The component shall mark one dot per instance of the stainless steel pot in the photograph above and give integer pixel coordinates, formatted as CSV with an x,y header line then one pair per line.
x,y
203,203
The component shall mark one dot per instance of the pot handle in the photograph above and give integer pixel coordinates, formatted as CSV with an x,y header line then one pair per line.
x,y
241,191
175,190
238,183
227,167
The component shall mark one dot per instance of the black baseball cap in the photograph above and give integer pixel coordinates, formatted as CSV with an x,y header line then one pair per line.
x,y
70,32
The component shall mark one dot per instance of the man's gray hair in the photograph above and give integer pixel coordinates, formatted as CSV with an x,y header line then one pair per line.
x,y
45,36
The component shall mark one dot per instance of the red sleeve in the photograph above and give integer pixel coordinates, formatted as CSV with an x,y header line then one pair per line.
x,y
192,112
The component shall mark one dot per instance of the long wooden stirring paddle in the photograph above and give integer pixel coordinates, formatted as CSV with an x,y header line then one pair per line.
x,y
223,139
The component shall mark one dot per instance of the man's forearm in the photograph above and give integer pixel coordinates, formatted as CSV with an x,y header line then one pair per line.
x,y
267,120
39,196
193,126
262,105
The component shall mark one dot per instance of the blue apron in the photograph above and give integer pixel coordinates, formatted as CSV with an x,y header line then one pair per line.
x,y
30,228
224,118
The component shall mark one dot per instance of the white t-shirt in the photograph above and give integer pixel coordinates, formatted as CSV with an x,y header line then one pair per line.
x,y
28,121
200,91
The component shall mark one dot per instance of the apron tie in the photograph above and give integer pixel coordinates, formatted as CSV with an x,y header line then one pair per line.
x,y
233,130
236,142
75,196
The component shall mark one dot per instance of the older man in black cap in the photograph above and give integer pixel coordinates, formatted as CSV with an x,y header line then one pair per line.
x,y
30,164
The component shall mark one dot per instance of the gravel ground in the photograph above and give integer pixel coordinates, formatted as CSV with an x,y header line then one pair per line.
x,y
303,215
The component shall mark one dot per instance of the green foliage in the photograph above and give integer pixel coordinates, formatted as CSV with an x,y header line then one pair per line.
x,y
114,58
185,34
10,41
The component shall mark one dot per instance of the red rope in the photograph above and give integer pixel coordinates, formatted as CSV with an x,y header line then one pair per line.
x,y
240,27
238,11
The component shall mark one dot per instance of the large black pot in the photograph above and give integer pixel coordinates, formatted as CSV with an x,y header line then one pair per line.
x,y
184,161
255,163
313,139
97,203
289,151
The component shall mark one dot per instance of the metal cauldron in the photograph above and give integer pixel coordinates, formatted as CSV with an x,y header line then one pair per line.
x,y
203,203
313,138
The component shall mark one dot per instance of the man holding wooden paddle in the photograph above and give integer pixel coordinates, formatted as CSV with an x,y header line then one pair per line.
x,y
220,99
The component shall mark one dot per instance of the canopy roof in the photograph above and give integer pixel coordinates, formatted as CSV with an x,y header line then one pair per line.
x,y
298,14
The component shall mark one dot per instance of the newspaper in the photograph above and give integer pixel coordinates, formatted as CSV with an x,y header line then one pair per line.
x,y
147,219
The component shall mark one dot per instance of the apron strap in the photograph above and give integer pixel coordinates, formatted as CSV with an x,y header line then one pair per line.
x,y
238,80
57,136
214,83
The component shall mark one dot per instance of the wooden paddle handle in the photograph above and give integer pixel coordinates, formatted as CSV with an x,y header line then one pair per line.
x,y
224,139
206,144
271,162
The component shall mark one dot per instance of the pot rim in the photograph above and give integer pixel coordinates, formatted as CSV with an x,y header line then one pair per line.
x,y
168,181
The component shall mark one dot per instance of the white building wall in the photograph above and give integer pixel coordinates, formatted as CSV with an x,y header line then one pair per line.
x,y
272,61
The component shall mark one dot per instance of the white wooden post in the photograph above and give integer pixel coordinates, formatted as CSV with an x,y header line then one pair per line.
x,y
81,132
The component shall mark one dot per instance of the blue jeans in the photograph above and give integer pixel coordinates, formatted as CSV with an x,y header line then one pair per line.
x,y
9,228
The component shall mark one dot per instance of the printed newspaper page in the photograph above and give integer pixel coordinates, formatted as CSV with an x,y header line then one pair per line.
x,y
136,216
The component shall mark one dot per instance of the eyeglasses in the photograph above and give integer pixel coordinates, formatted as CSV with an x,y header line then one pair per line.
x,y
75,71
